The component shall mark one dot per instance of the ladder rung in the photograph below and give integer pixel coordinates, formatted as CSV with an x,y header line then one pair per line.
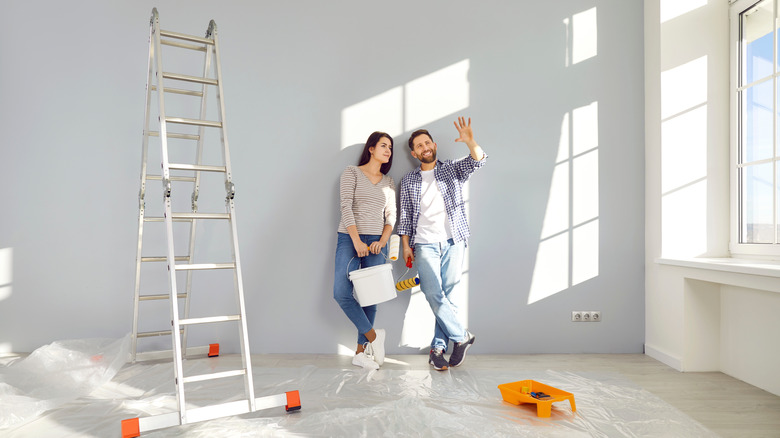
x,y
209,319
157,333
181,36
167,354
162,219
213,376
179,91
159,297
174,178
188,78
175,135
205,266
200,215
196,122
163,259
183,45
196,167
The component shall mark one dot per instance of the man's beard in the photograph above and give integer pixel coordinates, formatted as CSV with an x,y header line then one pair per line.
x,y
429,160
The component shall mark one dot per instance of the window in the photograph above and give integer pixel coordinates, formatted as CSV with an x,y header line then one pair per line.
x,y
755,122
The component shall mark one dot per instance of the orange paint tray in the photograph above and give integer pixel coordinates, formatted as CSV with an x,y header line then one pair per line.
x,y
513,393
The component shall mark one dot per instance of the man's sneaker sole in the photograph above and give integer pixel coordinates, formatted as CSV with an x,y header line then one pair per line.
x,y
443,368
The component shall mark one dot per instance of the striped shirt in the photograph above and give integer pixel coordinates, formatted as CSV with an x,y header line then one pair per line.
x,y
450,176
366,205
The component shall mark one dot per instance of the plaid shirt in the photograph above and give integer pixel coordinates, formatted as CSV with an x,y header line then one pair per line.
x,y
450,176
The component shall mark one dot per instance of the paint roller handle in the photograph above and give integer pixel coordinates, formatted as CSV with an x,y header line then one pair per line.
x,y
409,262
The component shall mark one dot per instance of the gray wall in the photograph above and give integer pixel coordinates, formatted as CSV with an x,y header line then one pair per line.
x,y
72,94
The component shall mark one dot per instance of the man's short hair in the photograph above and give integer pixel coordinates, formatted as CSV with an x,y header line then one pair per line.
x,y
417,133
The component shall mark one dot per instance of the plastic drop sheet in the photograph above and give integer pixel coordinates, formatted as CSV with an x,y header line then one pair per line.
x,y
56,374
357,403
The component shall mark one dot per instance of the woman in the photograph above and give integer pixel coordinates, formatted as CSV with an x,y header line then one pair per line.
x,y
368,214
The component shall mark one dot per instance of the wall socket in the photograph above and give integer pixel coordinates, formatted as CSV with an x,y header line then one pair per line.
x,y
586,316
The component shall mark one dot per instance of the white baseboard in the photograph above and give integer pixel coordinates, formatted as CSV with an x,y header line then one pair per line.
x,y
659,355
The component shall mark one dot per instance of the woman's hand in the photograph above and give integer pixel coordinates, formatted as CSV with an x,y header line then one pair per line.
x,y
376,247
360,248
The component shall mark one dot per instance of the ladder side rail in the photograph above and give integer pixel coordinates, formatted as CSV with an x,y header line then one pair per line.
x,y
237,276
196,188
175,328
142,196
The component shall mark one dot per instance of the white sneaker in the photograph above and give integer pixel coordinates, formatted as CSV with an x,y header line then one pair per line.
x,y
361,360
378,346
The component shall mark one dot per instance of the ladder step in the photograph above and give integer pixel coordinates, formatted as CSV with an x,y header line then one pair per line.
x,y
168,354
159,297
165,259
179,91
175,178
196,122
196,167
213,376
205,266
181,36
157,333
175,135
188,78
162,219
188,216
209,319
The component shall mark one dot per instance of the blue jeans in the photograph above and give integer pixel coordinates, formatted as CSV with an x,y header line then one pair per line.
x,y
440,266
362,317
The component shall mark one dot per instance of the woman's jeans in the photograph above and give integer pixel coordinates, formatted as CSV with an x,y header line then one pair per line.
x,y
362,317
440,266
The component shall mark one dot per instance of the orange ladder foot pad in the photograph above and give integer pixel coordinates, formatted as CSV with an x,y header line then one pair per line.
x,y
213,350
293,401
130,428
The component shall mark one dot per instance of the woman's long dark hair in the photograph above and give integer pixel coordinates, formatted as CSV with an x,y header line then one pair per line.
x,y
372,141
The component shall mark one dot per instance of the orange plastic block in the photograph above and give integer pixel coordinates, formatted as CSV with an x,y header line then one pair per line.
x,y
512,393
293,401
213,350
130,428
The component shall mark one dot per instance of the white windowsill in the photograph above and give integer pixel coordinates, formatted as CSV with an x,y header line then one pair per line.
x,y
725,264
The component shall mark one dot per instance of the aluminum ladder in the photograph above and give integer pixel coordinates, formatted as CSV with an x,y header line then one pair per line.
x,y
189,173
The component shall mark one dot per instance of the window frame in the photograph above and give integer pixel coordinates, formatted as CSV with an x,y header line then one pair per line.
x,y
737,249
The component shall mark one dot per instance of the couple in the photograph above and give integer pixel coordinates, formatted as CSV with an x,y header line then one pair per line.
x,y
433,230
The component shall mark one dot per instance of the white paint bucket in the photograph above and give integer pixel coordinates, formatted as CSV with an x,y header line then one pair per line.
x,y
373,285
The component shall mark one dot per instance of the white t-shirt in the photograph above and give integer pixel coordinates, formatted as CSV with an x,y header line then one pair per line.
x,y
433,225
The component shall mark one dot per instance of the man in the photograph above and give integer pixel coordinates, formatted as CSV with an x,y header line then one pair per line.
x,y
433,222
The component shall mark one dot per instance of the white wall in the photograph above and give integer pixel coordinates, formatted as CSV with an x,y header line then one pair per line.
x,y
546,87
701,316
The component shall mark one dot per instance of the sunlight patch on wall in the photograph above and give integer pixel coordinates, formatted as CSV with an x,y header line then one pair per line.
x,y
684,159
674,8
382,112
568,252
436,95
683,87
6,272
584,31
684,149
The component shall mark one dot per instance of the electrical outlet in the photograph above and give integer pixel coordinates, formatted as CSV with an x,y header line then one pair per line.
x,y
595,316
586,316
576,316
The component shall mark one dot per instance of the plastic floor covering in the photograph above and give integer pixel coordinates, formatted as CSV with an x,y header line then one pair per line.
x,y
80,389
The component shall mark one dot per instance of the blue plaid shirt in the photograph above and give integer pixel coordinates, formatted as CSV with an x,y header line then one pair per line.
x,y
450,176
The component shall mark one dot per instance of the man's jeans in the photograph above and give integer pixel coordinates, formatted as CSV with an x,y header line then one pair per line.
x,y
362,317
440,266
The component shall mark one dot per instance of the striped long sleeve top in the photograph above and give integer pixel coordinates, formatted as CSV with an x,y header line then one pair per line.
x,y
366,205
